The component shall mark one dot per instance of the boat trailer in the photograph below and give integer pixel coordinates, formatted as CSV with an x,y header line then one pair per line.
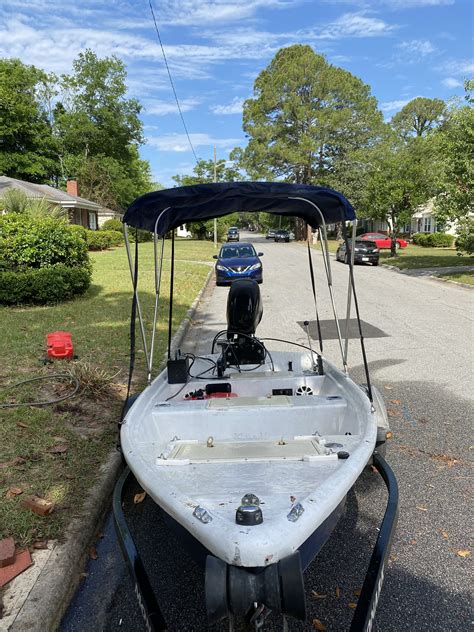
x,y
280,585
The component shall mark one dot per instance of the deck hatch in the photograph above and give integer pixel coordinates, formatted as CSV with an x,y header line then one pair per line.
x,y
291,449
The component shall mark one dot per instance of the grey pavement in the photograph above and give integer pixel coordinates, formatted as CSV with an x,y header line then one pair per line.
x,y
419,341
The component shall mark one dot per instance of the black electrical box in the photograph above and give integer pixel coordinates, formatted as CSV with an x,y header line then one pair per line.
x,y
178,370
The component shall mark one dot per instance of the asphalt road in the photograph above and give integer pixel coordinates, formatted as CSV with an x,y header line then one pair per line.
x,y
419,341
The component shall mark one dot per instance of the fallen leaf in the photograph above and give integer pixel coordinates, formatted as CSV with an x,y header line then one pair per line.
x,y
318,625
14,491
38,505
93,553
397,402
357,592
40,544
393,413
60,439
444,534
18,460
59,449
338,592
352,605
389,388
21,424
373,469
412,541
464,553
139,498
317,595
421,508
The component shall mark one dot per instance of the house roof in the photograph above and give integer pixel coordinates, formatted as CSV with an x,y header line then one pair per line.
x,y
55,196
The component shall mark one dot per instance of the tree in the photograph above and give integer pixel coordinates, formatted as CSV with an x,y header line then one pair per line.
x,y
419,116
305,117
203,173
456,140
98,132
401,175
27,148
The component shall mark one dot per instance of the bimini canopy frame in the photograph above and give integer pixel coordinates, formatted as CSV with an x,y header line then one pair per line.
x,y
206,201
162,211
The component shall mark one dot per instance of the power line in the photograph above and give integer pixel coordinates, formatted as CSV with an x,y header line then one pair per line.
x,y
171,80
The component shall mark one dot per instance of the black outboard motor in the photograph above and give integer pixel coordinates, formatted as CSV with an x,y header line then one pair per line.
x,y
244,313
244,306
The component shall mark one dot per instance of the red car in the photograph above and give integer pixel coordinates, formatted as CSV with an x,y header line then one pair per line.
x,y
382,241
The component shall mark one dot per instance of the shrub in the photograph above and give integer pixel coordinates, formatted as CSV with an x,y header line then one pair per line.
x,y
143,235
116,237
112,224
38,242
103,239
98,239
79,230
419,238
44,285
465,236
440,240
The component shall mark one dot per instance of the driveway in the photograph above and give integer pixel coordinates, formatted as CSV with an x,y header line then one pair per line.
x,y
419,344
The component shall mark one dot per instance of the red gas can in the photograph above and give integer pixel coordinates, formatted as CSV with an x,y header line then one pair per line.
x,y
59,345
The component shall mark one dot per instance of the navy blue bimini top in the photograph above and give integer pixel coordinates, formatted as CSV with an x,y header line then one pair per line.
x,y
206,201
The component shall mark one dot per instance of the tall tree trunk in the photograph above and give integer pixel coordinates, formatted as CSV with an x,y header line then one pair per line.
x,y
393,245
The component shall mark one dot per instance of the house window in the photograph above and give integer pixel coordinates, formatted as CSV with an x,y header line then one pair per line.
x,y
427,224
92,220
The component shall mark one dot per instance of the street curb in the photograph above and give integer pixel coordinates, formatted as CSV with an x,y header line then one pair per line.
x,y
57,582
54,588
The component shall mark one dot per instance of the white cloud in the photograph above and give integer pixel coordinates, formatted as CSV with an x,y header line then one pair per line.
x,y
354,25
419,48
416,4
179,142
235,107
450,82
193,12
161,108
460,68
391,106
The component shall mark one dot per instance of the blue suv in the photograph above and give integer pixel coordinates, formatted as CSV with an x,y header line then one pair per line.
x,y
238,261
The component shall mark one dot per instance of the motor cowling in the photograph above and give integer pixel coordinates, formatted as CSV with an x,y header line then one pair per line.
x,y
244,306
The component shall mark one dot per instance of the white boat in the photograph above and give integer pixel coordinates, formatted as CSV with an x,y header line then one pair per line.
x,y
251,452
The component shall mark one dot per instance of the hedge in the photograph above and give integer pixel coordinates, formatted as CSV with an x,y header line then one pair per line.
x,y
44,285
37,242
103,239
112,224
433,240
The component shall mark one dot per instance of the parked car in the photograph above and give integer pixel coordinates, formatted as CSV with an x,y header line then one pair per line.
x,y
364,252
282,235
233,234
271,234
238,261
382,241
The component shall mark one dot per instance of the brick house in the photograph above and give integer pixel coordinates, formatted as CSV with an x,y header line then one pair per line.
x,y
80,211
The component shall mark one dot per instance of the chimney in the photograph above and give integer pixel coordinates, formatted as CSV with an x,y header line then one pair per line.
x,y
71,187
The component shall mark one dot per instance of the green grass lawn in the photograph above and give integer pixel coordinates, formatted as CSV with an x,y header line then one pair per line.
x,y
418,257
99,323
460,277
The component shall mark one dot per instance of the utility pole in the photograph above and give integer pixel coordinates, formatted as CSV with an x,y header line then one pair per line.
x,y
215,180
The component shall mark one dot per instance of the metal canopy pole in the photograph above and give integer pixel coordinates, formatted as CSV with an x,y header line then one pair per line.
x,y
349,290
139,309
327,265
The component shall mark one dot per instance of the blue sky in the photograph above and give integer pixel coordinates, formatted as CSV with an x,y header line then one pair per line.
x,y
215,50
